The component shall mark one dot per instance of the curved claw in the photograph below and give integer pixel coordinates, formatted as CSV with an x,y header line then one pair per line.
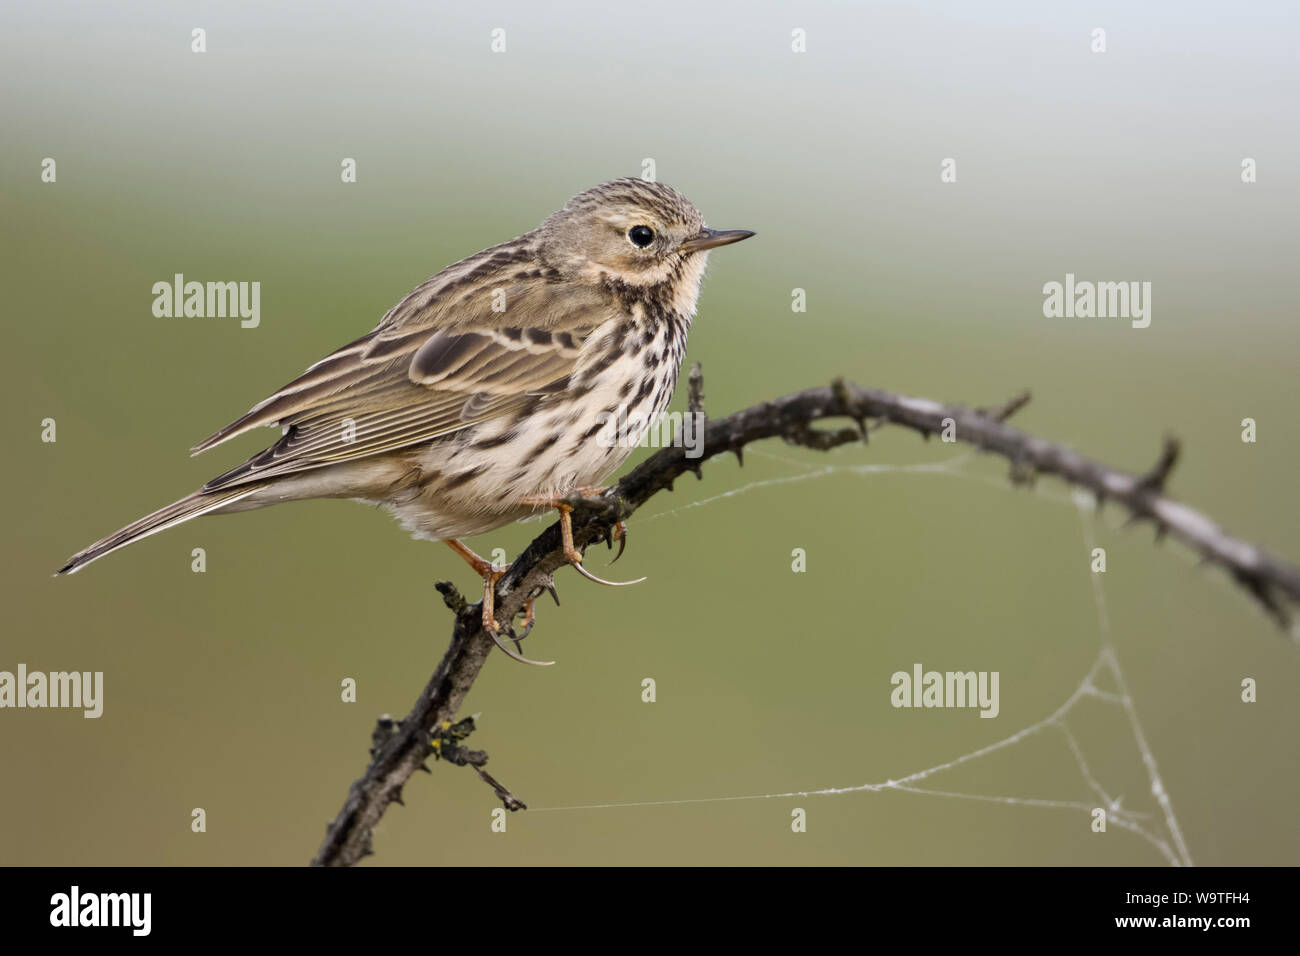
x,y
515,655
591,577
620,532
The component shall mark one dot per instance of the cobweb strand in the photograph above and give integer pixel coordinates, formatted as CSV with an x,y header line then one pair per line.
x,y
1173,848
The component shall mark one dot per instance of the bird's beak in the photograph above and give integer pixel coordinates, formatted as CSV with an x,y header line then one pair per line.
x,y
710,238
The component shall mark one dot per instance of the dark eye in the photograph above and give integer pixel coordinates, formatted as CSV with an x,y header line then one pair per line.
x,y
641,236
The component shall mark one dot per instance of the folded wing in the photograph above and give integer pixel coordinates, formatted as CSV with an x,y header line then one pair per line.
x,y
445,366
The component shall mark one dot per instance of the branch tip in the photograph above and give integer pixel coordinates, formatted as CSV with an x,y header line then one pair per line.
x,y
451,597
695,390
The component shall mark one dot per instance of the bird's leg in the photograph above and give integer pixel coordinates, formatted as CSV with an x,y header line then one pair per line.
x,y
571,553
491,574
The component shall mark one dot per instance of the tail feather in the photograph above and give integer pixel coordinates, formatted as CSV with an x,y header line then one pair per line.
x,y
178,512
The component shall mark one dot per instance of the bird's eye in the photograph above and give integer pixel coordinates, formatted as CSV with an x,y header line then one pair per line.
x,y
641,236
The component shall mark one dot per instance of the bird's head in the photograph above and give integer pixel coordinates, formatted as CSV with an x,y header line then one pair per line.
x,y
639,232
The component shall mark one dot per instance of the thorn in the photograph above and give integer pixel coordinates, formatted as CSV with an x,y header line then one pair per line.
x,y
1001,413
739,452
1264,594
425,768
1022,472
397,797
1154,480
550,589
862,429
840,392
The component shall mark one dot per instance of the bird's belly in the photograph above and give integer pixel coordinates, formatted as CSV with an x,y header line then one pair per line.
x,y
468,490
478,479
552,452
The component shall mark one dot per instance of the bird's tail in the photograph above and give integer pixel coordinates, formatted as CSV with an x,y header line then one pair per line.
x,y
191,506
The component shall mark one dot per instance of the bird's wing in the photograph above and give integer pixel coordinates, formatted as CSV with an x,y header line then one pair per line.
x,y
443,359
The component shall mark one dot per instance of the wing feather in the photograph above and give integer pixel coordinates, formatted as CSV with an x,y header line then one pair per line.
x,y
423,373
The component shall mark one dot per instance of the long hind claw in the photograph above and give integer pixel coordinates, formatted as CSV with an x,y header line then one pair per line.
x,y
574,556
511,652
577,566
529,619
490,625
491,574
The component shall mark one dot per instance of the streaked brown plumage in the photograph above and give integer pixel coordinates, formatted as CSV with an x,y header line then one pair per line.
x,y
486,387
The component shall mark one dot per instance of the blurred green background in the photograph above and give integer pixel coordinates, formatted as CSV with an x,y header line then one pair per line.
x,y
223,688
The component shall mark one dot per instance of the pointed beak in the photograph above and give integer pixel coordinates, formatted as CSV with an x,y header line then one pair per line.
x,y
711,238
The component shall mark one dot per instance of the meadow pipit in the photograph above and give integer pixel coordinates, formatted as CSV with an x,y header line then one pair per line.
x,y
483,395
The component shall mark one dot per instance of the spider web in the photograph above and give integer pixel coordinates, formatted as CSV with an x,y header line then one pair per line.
x,y
1161,830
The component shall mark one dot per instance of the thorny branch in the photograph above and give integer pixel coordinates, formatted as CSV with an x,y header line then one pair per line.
x,y
400,749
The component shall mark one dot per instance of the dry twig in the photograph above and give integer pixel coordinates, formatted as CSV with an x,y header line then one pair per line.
x,y
401,749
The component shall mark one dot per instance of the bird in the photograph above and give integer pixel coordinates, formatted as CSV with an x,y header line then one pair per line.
x,y
489,392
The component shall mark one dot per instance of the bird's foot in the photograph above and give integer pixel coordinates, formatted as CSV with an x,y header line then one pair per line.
x,y
491,574
571,554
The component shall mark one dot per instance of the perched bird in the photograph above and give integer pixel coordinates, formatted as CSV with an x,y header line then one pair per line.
x,y
491,391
